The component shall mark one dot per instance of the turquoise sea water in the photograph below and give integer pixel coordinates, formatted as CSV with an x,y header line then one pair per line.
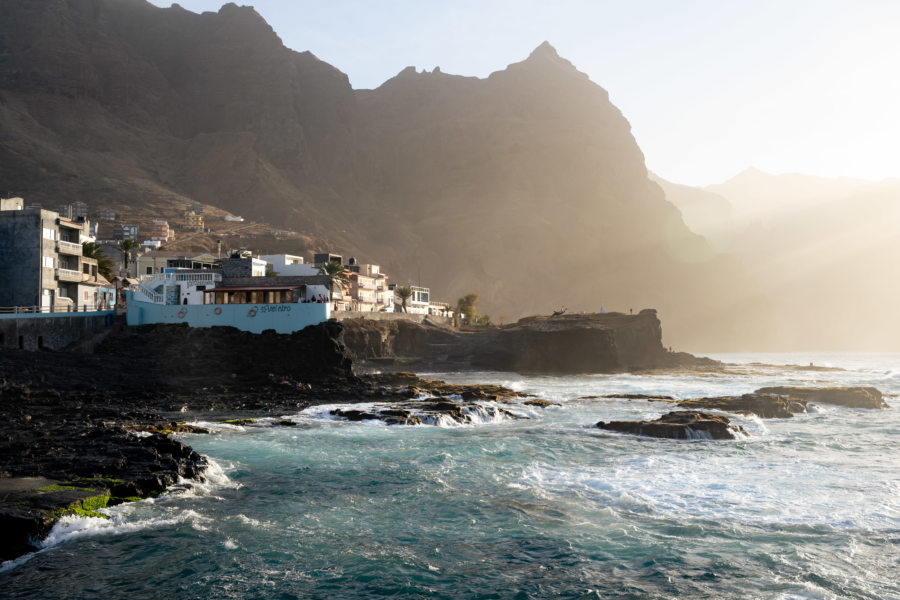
x,y
548,506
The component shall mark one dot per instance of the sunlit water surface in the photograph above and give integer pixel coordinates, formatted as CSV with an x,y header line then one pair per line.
x,y
807,507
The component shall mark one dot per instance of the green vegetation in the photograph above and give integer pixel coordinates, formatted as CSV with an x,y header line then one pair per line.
x,y
465,308
63,488
337,274
467,313
404,293
95,250
127,247
87,507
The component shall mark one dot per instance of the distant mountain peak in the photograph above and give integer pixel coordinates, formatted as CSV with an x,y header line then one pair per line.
x,y
546,60
544,50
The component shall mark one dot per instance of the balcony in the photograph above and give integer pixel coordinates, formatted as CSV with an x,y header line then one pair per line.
x,y
68,248
68,275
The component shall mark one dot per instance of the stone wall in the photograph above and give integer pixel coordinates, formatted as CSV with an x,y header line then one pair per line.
x,y
50,331
342,315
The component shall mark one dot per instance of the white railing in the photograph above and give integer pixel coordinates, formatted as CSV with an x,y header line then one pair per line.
x,y
146,294
68,247
212,276
59,308
198,276
68,274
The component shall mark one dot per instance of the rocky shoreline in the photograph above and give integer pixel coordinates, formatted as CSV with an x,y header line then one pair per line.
x,y
83,431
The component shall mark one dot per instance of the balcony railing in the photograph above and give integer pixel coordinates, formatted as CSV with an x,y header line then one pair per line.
x,y
146,294
208,277
68,275
64,247
59,308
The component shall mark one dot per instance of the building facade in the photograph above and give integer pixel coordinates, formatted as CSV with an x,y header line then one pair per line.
x,y
126,231
193,221
157,261
160,230
42,265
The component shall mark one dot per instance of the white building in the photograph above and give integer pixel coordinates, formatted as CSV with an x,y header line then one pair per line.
x,y
289,264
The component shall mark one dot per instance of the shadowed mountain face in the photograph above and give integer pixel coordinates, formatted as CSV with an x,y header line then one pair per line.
x,y
526,187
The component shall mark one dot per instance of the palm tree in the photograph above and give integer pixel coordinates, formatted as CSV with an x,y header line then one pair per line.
x,y
336,273
95,250
404,293
127,246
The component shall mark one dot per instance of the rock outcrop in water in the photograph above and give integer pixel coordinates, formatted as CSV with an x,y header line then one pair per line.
x,y
565,344
854,397
765,406
680,425
785,401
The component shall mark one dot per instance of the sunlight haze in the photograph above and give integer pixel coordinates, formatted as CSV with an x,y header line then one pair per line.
x,y
710,88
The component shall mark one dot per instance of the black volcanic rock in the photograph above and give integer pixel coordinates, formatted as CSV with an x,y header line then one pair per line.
x,y
564,344
763,405
680,425
854,397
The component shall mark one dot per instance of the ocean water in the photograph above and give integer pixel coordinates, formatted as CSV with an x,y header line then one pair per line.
x,y
547,506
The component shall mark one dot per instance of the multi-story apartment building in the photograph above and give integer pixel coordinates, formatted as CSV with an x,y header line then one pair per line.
x,y
106,214
369,287
159,230
41,262
75,210
125,231
362,292
193,221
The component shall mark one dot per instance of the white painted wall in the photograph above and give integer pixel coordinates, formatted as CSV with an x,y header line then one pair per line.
x,y
283,265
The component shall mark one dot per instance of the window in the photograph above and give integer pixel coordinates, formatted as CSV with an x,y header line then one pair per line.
x,y
149,270
49,234
47,262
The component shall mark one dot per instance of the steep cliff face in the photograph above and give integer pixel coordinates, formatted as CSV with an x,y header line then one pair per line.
x,y
526,186
591,343
578,343
120,102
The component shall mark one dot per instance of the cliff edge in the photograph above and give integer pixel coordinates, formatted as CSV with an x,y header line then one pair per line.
x,y
552,345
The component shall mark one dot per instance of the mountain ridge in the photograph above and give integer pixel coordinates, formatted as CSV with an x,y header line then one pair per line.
x,y
526,186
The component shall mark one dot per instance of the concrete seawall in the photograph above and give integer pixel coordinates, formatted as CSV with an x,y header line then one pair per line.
x,y
343,315
50,331
255,318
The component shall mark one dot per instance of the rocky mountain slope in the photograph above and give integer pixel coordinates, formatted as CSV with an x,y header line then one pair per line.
x,y
526,186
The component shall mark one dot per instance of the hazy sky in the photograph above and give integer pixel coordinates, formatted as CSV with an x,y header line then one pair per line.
x,y
710,87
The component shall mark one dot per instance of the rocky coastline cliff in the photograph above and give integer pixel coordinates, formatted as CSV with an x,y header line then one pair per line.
x,y
550,345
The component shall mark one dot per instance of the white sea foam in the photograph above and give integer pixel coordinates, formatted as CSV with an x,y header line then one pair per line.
x,y
219,427
131,517
71,528
322,412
